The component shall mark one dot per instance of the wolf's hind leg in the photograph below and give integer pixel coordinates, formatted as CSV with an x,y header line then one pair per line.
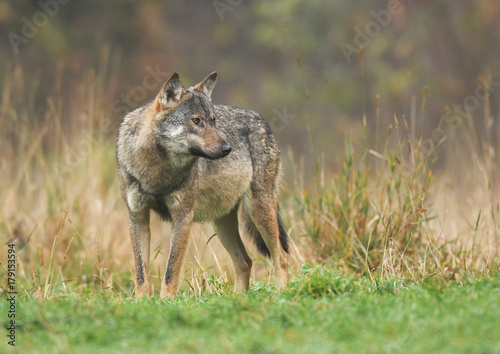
x,y
227,230
140,236
263,211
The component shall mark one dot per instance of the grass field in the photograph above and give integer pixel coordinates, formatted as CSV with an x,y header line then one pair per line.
x,y
403,236
321,312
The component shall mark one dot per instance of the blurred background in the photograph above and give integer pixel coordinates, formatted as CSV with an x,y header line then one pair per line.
x,y
447,46
366,96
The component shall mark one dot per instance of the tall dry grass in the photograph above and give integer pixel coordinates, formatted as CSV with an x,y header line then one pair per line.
x,y
411,208
390,210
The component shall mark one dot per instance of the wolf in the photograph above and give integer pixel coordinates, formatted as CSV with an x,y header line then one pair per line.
x,y
190,161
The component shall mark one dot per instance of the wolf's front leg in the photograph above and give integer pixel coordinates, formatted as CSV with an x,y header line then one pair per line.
x,y
140,236
182,220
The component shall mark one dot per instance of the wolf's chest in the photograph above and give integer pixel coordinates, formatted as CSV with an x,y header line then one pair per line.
x,y
220,188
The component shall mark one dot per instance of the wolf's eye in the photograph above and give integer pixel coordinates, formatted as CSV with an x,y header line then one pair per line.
x,y
196,120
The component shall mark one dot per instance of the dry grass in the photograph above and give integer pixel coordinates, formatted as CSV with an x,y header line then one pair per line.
x,y
387,212
398,212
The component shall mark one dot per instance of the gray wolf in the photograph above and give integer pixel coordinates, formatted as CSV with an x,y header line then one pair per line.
x,y
190,161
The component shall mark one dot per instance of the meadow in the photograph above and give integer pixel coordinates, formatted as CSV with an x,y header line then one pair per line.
x,y
321,312
395,249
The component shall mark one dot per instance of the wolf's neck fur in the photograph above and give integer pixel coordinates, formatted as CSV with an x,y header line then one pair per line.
x,y
159,172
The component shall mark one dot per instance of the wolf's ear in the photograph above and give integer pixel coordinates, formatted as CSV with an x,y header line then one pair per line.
x,y
207,85
171,93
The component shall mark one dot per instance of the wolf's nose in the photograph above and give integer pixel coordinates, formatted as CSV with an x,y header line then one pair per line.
x,y
226,149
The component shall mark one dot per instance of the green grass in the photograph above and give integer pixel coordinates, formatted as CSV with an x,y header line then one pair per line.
x,y
320,312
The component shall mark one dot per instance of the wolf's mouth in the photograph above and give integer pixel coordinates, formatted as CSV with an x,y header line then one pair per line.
x,y
224,151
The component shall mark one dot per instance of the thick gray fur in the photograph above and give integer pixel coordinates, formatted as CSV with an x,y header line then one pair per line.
x,y
191,161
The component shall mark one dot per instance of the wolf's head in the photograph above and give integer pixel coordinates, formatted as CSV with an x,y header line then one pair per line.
x,y
185,120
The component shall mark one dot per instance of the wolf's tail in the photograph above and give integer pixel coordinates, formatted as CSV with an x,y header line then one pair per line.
x,y
254,234
283,235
